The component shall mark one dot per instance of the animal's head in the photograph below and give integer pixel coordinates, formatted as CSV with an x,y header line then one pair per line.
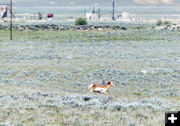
x,y
111,84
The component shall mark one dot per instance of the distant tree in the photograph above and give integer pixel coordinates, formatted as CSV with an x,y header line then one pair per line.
x,y
161,23
81,21
167,23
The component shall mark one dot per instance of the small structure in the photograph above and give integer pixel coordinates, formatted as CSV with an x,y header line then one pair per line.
x,y
124,15
38,16
50,16
94,15
3,11
91,16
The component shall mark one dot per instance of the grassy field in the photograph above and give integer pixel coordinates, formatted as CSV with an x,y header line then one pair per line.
x,y
44,77
132,34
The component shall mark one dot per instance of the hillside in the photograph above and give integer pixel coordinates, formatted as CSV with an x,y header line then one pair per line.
x,y
79,2
71,2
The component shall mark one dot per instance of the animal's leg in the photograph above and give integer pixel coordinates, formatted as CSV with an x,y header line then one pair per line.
x,y
100,92
105,93
90,91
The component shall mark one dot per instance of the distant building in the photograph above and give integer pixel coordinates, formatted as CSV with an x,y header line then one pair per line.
x,y
3,11
94,15
124,15
50,16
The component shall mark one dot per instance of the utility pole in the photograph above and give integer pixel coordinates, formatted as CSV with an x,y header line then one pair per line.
x,y
93,10
11,19
113,4
99,14
34,16
85,13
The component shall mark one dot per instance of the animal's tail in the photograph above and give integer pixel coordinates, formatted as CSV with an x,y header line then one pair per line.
x,y
90,86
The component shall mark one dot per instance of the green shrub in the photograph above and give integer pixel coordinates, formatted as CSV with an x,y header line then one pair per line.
x,y
80,21
161,23
167,22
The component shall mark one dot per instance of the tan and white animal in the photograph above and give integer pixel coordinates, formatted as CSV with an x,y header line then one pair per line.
x,y
100,88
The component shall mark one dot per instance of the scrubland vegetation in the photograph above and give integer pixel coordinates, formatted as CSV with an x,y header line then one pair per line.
x,y
44,76
47,67
90,34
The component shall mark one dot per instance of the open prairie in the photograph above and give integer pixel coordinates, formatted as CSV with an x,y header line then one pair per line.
x,y
46,69
44,77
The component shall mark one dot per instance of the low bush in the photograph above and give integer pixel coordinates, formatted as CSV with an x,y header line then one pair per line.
x,y
161,23
81,21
